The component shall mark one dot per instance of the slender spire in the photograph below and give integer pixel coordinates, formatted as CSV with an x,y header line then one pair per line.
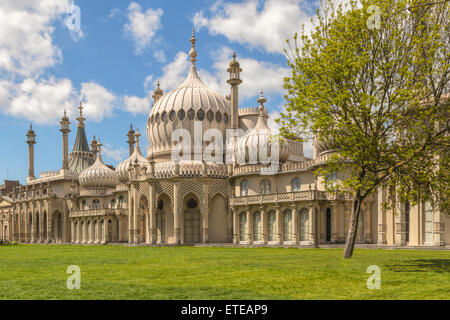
x,y
158,93
137,135
81,119
193,52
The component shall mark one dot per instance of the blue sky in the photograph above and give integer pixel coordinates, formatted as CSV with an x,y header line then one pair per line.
x,y
113,61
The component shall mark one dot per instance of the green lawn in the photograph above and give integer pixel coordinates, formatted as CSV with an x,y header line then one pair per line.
x,y
119,272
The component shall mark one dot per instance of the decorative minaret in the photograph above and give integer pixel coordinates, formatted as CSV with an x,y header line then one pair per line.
x,y
94,145
65,129
234,81
131,141
158,93
31,140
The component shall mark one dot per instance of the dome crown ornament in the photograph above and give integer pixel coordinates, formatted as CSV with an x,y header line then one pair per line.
x,y
81,119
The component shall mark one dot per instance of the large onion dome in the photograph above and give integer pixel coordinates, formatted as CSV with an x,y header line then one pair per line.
x,y
122,169
98,175
259,138
180,108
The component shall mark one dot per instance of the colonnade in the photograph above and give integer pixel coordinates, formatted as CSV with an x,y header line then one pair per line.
x,y
95,230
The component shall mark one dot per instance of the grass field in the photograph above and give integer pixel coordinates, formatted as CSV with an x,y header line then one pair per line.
x,y
119,272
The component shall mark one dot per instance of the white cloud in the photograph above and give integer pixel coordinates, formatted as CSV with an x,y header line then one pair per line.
x,y
114,13
256,75
109,152
26,45
41,101
175,72
160,56
142,26
98,102
246,23
137,105
44,101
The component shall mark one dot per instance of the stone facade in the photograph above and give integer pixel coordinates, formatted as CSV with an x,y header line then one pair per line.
x,y
156,200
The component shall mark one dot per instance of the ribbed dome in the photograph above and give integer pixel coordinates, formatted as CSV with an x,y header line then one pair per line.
x,y
248,145
179,108
98,175
324,145
122,169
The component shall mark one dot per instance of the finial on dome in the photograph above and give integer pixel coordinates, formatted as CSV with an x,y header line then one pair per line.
x,y
158,93
81,119
137,135
234,55
261,101
193,52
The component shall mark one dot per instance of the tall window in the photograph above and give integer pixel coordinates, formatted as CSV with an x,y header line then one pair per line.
x,y
304,225
83,205
96,204
113,203
257,226
265,186
244,188
295,183
243,226
120,201
161,226
287,225
272,225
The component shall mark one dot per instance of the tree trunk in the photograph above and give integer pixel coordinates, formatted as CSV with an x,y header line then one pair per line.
x,y
351,236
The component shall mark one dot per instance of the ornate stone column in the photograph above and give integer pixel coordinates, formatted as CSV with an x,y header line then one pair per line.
x,y
41,227
264,224
205,212
312,223
400,236
381,216
279,225
92,231
334,222
235,225
367,223
72,227
294,224
34,234
50,234
249,226
176,212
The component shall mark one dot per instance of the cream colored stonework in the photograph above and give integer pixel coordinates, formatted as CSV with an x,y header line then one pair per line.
x,y
154,200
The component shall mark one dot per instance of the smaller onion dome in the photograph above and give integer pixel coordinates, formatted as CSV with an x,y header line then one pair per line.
x,y
122,170
259,138
98,175
324,145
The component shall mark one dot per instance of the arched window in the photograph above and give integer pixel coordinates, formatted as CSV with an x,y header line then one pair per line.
x,y
244,188
265,186
243,226
272,225
96,204
113,203
287,225
304,225
120,202
83,205
257,226
295,184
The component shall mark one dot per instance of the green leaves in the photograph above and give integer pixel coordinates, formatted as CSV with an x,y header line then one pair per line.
x,y
377,93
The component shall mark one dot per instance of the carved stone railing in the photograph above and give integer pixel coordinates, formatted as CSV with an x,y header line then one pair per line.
x,y
95,212
308,195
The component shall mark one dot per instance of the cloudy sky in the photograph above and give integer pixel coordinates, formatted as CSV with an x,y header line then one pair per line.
x,y
113,60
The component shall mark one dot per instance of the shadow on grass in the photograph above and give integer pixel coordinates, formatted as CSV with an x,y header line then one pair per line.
x,y
422,265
